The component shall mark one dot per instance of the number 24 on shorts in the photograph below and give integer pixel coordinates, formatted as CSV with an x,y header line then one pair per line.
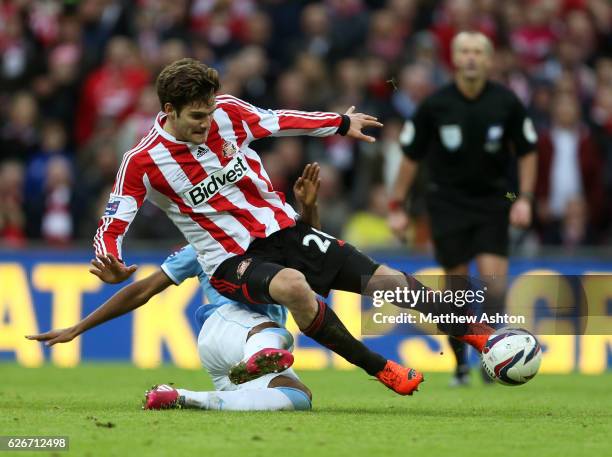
x,y
323,245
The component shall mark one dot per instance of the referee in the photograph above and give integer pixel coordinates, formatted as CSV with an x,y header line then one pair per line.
x,y
468,133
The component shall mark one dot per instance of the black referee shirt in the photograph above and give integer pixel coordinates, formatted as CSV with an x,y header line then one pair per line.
x,y
468,146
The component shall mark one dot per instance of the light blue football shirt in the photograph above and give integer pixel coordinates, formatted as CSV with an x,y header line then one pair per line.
x,y
183,264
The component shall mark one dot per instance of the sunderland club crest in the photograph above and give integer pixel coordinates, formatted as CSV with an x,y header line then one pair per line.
x,y
229,149
242,266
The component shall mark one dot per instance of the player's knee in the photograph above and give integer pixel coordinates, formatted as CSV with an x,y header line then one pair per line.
x,y
385,278
298,393
272,327
291,286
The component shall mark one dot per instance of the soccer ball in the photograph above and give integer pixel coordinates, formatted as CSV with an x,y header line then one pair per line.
x,y
512,356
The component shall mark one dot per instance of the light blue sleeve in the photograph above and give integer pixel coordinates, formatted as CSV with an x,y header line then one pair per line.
x,y
182,264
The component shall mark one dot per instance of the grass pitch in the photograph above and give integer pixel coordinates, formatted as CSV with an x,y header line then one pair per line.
x,y
98,407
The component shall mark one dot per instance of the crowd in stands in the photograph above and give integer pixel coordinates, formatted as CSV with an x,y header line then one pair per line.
x,y
77,91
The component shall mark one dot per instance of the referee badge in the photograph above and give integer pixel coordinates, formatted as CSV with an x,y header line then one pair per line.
x,y
494,137
451,136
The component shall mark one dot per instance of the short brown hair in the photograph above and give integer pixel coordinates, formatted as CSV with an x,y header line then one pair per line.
x,y
186,81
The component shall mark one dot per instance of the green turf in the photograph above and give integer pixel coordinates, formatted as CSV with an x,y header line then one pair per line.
x,y
352,416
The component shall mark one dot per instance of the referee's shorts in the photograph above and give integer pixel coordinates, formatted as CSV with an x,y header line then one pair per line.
x,y
485,236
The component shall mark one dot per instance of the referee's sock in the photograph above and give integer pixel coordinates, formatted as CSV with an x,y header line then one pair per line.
x,y
460,350
327,330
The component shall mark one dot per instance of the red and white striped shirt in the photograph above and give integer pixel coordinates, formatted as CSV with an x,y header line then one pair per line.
x,y
217,193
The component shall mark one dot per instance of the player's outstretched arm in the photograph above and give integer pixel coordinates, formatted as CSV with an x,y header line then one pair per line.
x,y
266,122
305,189
127,299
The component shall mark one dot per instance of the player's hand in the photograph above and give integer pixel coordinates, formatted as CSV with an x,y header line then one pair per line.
x,y
52,337
360,121
306,187
520,213
398,223
110,270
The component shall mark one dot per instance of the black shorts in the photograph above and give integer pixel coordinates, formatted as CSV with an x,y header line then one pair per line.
x,y
327,263
460,246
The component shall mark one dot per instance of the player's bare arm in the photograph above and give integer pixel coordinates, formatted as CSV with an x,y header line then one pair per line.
x,y
127,299
305,189
520,212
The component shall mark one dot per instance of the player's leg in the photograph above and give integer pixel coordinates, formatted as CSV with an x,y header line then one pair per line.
x,y
386,278
352,277
454,251
267,350
226,336
493,270
491,245
318,321
459,348
271,392
267,282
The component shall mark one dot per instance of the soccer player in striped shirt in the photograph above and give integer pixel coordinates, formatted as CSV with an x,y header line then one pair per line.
x,y
245,349
196,164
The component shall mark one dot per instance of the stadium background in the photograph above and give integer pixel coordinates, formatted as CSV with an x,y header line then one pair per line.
x,y
76,92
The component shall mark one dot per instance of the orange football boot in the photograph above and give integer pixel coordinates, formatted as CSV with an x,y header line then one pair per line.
x,y
477,336
402,380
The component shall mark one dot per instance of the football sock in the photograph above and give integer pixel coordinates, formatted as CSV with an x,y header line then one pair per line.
x,y
459,349
262,399
272,337
327,330
440,307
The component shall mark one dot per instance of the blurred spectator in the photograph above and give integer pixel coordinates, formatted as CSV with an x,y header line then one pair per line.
x,y
350,82
369,229
290,153
57,90
53,143
333,208
101,20
18,53
75,91
508,71
534,39
219,22
569,59
453,16
291,91
425,52
350,26
12,217
316,35
540,106
385,38
57,226
138,123
318,83
569,188
111,91
19,136
414,86
247,76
